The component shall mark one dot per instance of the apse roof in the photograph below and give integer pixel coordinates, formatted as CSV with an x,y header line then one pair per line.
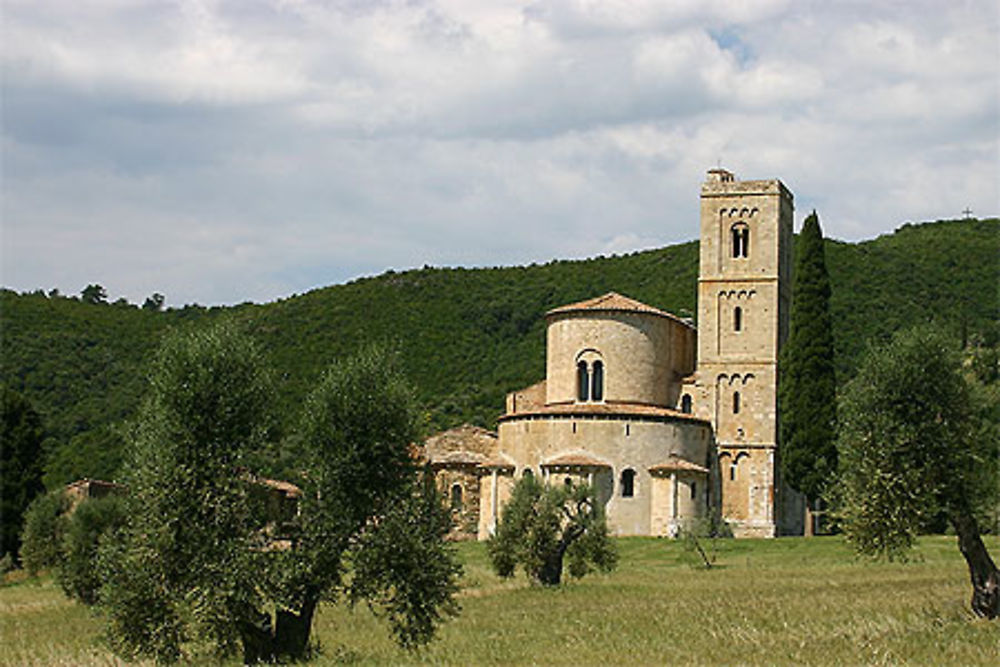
x,y
580,459
612,302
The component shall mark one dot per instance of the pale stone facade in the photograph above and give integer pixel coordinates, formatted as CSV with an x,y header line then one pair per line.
x,y
668,423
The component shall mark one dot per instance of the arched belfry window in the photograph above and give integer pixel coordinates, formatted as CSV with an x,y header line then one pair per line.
x,y
589,376
456,497
741,240
582,382
737,319
597,381
686,404
627,484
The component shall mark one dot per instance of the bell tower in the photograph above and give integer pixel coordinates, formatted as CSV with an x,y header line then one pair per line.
x,y
744,300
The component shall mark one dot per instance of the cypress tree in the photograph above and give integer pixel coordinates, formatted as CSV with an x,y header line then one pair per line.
x,y
807,390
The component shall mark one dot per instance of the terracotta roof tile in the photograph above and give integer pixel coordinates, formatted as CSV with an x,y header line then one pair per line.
x,y
676,463
610,409
575,459
501,460
287,488
613,302
460,456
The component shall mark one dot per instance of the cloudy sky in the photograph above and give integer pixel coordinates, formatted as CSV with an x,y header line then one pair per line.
x,y
218,152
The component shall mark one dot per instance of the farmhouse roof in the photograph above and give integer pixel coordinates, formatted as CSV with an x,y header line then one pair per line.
x,y
461,456
286,488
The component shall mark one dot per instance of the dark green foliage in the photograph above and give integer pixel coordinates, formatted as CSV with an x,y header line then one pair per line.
x,y
94,454
94,294
44,525
362,510
184,568
909,446
83,530
403,567
542,524
807,388
468,336
154,302
21,436
196,567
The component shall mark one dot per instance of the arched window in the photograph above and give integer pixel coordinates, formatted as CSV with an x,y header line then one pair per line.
x,y
582,381
456,497
736,402
737,319
741,240
568,481
527,473
597,381
628,483
686,404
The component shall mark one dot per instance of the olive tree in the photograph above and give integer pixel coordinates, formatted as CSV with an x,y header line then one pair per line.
x,y
543,524
910,444
197,568
185,568
364,510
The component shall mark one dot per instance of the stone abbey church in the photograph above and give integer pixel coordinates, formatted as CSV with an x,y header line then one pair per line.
x,y
669,423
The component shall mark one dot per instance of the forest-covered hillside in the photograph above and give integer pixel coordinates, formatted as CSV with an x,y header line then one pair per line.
x,y
467,336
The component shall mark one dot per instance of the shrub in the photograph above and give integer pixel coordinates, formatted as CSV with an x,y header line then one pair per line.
x,y
82,532
44,522
543,524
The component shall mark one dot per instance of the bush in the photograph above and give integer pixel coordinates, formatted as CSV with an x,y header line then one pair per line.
x,y
82,532
543,524
44,523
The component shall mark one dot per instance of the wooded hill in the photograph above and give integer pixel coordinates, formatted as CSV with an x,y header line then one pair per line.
x,y
467,336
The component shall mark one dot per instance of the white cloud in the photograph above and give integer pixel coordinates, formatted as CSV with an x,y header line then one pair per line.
x,y
222,151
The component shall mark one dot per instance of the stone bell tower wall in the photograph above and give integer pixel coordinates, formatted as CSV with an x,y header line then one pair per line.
x,y
743,309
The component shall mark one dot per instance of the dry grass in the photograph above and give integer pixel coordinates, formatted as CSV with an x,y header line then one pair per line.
x,y
771,602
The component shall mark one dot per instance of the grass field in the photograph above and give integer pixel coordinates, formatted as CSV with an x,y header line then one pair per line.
x,y
766,602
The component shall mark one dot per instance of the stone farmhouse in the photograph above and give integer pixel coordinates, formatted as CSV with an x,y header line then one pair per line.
x,y
669,423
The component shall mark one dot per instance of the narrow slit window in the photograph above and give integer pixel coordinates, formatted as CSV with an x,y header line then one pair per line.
x,y
456,497
736,402
686,404
694,490
737,319
582,381
628,483
740,240
597,392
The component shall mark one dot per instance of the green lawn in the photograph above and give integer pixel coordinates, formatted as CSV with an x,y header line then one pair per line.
x,y
768,601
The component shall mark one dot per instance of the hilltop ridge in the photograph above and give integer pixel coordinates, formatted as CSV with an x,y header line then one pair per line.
x,y
467,336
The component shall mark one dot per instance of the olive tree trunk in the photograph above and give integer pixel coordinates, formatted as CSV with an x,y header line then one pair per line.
x,y
287,638
982,570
